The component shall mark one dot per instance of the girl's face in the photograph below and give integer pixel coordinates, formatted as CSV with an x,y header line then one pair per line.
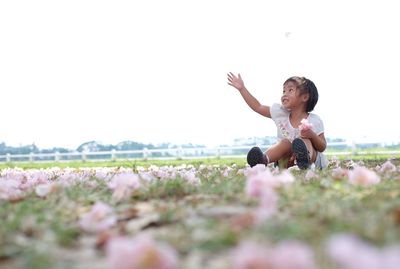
x,y
291,96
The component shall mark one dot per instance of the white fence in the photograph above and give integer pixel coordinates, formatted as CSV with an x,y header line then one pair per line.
x,y
179,153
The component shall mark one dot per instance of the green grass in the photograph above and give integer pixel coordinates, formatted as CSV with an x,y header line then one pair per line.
x,y
370,156
126,163
310,211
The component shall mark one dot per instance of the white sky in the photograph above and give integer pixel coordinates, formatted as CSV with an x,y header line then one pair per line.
x,y
155,71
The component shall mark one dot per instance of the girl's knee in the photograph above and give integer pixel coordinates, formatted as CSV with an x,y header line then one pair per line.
x,y
282,149
285,141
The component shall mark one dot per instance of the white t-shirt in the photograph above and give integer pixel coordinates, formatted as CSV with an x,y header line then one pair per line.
x,y
280,116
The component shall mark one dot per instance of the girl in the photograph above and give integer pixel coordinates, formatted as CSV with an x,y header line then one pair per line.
x,y
301,137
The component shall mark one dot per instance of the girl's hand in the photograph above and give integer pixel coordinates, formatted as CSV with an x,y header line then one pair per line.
x,y
235,81
307,133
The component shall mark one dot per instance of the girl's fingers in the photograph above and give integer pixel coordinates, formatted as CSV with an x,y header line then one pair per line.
x,y
233,80
230,74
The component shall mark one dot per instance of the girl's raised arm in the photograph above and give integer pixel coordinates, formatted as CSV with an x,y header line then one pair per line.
x,y
252,102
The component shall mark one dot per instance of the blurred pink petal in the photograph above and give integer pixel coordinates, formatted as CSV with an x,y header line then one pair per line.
x,y
387,166
141,252
254,170
249,255
100,218
348,252
261,179
310,175
190,177
305,125
123,185
267,206
9,190
43,190
284,179
339,173
363,176
294,255
286,255
391,257
258,182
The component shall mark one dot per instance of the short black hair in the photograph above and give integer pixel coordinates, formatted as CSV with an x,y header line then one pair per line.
x,y
306,86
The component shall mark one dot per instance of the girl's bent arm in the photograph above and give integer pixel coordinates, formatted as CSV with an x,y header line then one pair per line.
x,y
319,142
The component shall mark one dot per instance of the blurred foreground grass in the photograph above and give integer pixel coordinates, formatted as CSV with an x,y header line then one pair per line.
x,y
210,218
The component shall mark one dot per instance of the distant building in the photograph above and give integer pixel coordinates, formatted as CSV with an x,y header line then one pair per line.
x,y
250,141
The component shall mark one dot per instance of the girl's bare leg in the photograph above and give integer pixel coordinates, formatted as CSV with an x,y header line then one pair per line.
x,y
281,150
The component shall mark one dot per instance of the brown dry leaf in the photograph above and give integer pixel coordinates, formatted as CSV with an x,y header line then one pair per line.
x,y
396,215
223,211
243,221
137,218
144,208
135,225
127,214
16,198
394,194
102,239
6,263
29,226
198,198
80,210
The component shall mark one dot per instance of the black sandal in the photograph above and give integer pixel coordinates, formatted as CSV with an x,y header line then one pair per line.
x,y
255,156
301,153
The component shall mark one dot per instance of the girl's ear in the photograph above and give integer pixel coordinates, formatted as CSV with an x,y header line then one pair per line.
x,y
305,97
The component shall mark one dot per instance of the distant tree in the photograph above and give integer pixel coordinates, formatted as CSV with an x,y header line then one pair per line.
x,y
132,145
26,149
129,145
90,146
102,147
54,150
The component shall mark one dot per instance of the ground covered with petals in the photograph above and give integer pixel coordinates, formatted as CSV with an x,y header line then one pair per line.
x,y
201,216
